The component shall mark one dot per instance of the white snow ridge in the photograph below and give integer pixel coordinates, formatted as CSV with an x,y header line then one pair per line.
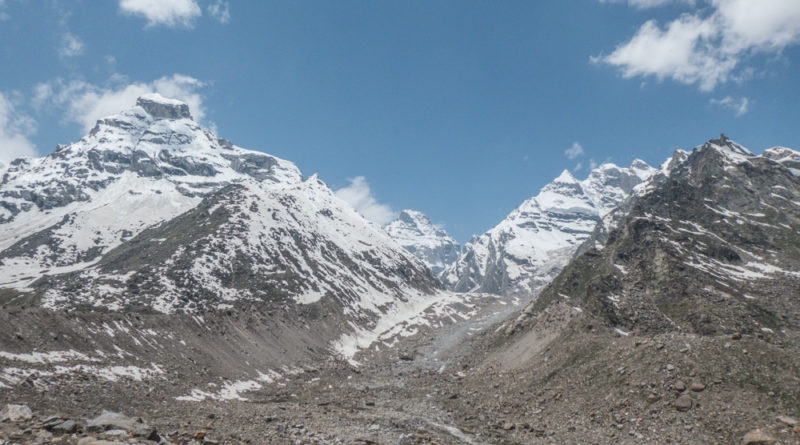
x,y
528,248
427,241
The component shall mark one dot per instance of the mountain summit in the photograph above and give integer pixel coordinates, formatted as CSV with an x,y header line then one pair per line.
x,y
152,212
160,107
714,249
528,248
428,242
140,167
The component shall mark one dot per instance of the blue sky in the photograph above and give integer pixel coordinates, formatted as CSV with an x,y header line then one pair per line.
x,y
458,109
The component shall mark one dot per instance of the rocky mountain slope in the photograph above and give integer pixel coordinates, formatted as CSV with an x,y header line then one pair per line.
x,y
528,248
249,242
712,249
428,242
682,328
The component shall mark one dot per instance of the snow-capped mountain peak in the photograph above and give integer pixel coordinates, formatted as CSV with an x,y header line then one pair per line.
x,y
152,212
525,250
564,178
150,163
677,158
639,165
430,243
783,155
728,148
417,223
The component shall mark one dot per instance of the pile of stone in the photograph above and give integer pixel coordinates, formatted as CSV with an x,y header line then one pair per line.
x,y
19,424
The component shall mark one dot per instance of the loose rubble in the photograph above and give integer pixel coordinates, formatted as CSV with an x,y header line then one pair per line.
x,y
107,428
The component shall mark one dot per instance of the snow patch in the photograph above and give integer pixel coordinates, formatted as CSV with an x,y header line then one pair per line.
x,y
47,357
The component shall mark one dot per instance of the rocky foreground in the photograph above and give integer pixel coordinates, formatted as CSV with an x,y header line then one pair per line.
x,y
21,425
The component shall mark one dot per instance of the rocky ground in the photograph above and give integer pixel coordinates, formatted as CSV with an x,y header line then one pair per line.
x,y
566,380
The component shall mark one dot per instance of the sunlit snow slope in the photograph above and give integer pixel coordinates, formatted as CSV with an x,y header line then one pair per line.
x,y
140,167
427,241
528,248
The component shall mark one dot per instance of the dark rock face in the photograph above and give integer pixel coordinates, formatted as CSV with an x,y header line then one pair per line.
x,y
164,110
714,248
252,165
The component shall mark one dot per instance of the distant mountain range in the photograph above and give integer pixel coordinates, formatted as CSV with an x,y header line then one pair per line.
x,y
150,212
532,244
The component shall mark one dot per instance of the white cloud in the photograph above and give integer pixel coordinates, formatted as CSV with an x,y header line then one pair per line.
x,y
577,167
592,164
763,25
359,195
684,52
15,130
739,106
646,4
163,12
574,151
85,103
221,11
707,49
71,46
3,13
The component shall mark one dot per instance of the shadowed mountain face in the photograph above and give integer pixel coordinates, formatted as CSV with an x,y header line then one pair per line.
x,y
713,248
249,243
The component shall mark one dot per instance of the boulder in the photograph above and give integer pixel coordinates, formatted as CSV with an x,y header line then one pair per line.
x,y
683,403
108,420
65,427
758,437
16,413
698,387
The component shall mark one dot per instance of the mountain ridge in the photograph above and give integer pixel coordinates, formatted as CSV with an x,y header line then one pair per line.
x,y
527,248
732,258
60,211
158,214
430,243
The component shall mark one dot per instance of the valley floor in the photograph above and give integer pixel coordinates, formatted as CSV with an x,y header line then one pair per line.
x,y
566,380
